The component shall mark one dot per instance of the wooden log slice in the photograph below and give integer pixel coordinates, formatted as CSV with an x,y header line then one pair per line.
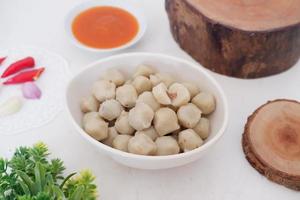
x,y
240,38
271,142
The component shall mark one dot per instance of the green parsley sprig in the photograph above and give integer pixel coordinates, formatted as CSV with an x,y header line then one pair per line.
x,y
30,175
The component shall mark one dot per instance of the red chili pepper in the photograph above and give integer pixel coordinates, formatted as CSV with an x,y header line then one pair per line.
x,y
2,60
27,62
26,76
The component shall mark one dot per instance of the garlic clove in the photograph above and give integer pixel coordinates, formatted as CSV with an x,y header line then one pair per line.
x,y
11,106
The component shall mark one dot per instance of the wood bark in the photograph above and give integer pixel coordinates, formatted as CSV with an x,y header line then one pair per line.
x,y
242,48
286,149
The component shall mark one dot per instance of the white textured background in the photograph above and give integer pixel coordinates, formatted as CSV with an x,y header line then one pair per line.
x,y
221,174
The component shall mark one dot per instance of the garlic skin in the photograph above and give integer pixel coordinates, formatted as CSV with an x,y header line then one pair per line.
x,y
11,106
31,91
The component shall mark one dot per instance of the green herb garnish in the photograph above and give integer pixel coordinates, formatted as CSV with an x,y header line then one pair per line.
x,y
30,175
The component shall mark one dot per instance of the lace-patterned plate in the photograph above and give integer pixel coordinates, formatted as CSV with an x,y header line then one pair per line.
x,y
35,113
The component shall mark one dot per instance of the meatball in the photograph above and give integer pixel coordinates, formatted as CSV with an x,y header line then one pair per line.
x,y
104,90
143,70
203,128
89,104
110,109
126,95
205,102
95,126
142,84
161,95
166,145
179,94
192,88
165,121
149,99
189,115
189,140
115,76
112,134
151,132
122,124
141,116
142,144
121,142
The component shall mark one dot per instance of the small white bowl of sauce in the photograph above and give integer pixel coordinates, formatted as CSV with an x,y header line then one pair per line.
x,y
105,26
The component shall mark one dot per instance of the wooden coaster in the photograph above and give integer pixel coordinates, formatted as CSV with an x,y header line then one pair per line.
x,y
240,38
271,142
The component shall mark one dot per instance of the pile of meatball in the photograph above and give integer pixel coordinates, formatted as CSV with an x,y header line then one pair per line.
x,y
149,114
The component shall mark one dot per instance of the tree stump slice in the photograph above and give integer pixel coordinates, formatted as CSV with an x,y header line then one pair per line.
x,y
239,38
271,142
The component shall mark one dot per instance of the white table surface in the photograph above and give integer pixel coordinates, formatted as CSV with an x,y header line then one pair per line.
x,y
221,174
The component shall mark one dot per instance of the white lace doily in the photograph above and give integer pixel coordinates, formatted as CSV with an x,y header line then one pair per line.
x,y
35,113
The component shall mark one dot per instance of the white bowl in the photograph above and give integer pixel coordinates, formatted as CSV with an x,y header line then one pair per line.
x,y
182,70
123,4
